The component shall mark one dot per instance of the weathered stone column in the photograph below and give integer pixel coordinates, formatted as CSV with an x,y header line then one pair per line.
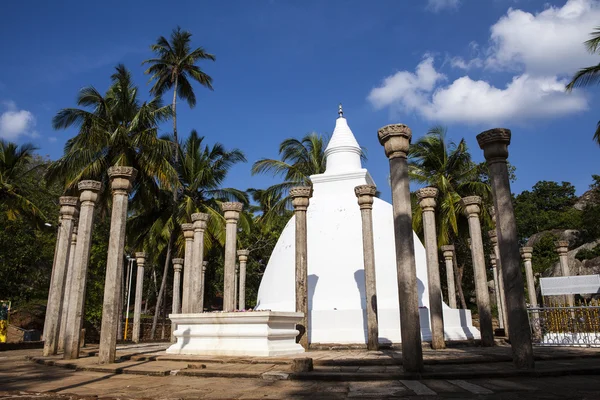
x,y
300,199
235,284
448,252
526,254
188,234
494,239
472,209
204,265
427,202
196,288
497,291
495,149
232,212
67,293
120,180
140,259
68,208
177,267
396,139
87,199
562,248
365,194
243,258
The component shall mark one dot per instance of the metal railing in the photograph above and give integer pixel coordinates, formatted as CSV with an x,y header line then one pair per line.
x,y
565,326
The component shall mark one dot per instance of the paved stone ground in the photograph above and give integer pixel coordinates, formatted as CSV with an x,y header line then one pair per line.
x,y
23,379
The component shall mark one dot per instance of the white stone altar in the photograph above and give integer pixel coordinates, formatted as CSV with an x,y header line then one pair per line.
x,y
336,287
257,333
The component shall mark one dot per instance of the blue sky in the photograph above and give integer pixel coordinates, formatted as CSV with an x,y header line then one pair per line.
x,y
283,66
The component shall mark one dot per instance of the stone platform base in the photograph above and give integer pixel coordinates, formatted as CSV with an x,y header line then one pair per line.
x,y
258,333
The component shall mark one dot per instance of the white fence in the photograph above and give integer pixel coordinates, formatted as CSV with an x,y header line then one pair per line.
x,y
580,284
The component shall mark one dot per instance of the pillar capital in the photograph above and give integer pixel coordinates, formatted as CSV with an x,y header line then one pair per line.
x,y
493,260
526,253
68,206
188,231
243,255
300,197
89,191
204,265
231,211
427,196
448,251
472,205
200,220
493,235
140,258
178,264
121,178
395,139
494,144
492,212
74,235
365,194
562,246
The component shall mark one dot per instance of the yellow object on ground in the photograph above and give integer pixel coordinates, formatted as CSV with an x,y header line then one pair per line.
x,y
3,331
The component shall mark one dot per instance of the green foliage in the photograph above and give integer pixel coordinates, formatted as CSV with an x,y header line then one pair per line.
x,y
544,253
588,254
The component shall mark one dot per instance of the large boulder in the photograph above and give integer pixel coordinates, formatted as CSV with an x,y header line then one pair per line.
x,y
573,236
577,267
589,197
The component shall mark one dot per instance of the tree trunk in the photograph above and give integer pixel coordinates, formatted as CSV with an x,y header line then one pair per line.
x,y
161,292
174,108
458,274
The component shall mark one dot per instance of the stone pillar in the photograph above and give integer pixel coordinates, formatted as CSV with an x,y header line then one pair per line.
x,y
448,252
87,199
526,254
495,149
427,202
243,258
497,291
176,306
188,235
204,265
396,140
300,199
235,285
502,307
232,212
365,194
120,180
68,208
562,248
196,288
140,259
472,209
67,293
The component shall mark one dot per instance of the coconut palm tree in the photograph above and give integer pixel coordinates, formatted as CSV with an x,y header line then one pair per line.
x,y
175,67
589,75
15,164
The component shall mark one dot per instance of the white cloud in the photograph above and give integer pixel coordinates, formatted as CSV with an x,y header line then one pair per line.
x,y
475,101
52,139
439,5
549,42
15,122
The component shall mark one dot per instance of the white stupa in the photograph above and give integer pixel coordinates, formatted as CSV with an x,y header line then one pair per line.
x,y
336,287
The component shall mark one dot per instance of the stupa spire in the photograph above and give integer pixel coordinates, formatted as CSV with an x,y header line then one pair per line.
x,y
343,151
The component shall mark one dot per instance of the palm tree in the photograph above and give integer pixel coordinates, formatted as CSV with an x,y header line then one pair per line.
x,y
202,171
115,129
174,67
589,75
15,164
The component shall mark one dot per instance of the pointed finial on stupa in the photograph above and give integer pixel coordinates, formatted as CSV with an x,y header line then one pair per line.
x,y
340,111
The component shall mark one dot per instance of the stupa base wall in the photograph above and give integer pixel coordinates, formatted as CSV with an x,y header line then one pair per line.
x,y
259,333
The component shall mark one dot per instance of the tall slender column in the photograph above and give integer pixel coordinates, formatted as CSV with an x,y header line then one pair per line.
x,y
472,209
365,194
300,199
67,294
235,284
177,267
448,252
188,235
562,248
120,181
140,259
200,221
243,258
68,208
495,150
204,265
396,140
232,215
427,202
56,251
87,198
497,291
526,254
494,239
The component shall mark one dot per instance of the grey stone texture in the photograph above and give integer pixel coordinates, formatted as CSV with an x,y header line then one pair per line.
x,y
497,291
243,259
231,211
396,140
527,254
448,253
188,235
494,239
562,248
67,293
365,194
121,179
176,306
495,150
300,200
140,258
196,289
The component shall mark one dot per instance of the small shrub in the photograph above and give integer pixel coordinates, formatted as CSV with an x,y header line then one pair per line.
x,y
588,254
